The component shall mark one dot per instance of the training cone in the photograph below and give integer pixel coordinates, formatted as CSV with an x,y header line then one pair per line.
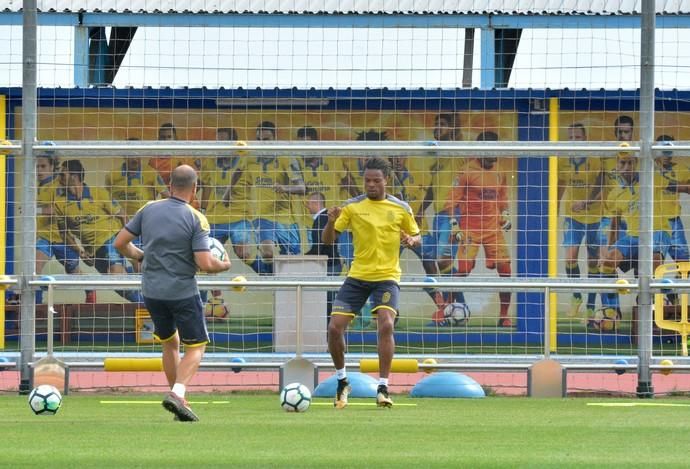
x,y
447,384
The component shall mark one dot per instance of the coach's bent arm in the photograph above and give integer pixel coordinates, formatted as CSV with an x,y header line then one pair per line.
x,y
209,264
123,244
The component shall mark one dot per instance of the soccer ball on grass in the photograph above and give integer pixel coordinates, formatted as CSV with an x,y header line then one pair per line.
x,y
295,397
45,400
456,314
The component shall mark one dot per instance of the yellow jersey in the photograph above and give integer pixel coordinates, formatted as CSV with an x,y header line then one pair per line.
x,y
624,202
376,226
217,177
133,190
677,173
327,177
264,173
47,192
92,218
580,177
609,180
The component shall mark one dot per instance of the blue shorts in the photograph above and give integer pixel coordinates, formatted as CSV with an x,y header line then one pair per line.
x,y
239,232
353,294
628,246
65,255
106,256
679,243
604,228
287,237
574,232
441,246
185,316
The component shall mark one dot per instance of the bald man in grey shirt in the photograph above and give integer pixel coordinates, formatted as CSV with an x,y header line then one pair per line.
x,y
175,245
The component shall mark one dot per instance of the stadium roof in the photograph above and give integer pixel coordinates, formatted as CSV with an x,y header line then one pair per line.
x,y
474,7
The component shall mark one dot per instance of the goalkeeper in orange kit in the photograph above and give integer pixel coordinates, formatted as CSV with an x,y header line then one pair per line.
x,y
480,194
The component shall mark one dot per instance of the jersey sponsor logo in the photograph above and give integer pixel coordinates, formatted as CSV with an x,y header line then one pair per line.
x,y
489,194
264,182
316,187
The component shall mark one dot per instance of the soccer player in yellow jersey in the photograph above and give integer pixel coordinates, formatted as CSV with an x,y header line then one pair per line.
x,y
132,186
226,202
381,224
226,199
445,171
274,180
677,173
623,204
623,129
354,166
579,192
49,243
326,176
89,220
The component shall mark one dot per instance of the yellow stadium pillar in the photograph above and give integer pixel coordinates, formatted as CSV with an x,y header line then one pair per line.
x,y
3,214
553,225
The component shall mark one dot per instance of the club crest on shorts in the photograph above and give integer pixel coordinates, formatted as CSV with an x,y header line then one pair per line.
x,y
386,297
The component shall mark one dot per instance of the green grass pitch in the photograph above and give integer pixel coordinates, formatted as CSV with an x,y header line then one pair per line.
x,y
250,430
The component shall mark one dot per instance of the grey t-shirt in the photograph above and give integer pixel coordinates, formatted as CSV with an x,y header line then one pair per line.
x,y
171,231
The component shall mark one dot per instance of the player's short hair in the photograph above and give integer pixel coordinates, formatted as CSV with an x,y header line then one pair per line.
x,y
167,125
74,167
487,136
50,155
266,125
381,164
307,132
453,121
229,131
53,160
578,126
449,117
372,135
622,120
666,139
182,178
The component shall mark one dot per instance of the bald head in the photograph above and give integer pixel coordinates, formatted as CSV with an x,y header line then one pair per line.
x,y
183,181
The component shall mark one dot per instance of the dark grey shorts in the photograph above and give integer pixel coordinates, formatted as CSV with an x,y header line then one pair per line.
x,y
185,316
353,294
